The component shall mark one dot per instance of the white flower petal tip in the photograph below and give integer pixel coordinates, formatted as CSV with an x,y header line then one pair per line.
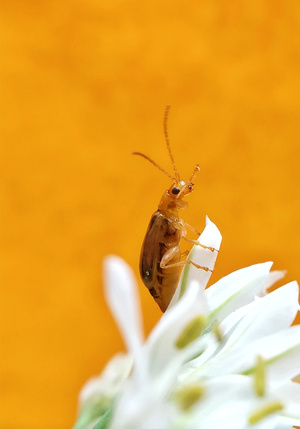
x,y
120,285
211,236
206,258
236,289
273,277
122,297
115,267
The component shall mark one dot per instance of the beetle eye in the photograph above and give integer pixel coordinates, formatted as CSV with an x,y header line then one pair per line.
x,y
175,191
190,187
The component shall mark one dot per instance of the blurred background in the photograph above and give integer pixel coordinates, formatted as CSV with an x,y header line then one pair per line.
x,y
84,84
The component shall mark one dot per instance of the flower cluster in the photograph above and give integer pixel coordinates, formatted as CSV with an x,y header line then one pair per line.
x,y
218,357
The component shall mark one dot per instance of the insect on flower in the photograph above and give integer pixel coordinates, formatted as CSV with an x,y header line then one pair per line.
x,y
160,259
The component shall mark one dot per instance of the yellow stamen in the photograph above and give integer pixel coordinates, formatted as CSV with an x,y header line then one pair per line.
x,y
259,376
217,331
192,331
265,411
189,395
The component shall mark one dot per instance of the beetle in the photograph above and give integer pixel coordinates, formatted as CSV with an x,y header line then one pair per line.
x,y
160,259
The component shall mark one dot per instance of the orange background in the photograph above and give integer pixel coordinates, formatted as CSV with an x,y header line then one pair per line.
x,y
85,83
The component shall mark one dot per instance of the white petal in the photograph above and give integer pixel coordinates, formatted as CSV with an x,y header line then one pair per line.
x,y
263,318
236,289
122,298
141,408
233,318
210,237
287,423
227,402
274,276
283,424
211,347
290,394
110,380
285,367
281,351
161,342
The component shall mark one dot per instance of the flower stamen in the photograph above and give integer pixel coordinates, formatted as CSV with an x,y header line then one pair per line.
x,y
265,411
218,332
189,395
259,377
191,332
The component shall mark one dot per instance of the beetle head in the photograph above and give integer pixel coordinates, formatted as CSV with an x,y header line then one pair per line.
x,y
180,189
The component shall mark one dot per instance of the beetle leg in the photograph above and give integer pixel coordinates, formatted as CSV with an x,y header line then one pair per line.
x,y
171,253
212,249
192,228
187,261
185,253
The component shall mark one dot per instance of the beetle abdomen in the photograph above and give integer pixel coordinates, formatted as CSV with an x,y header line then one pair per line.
x,y
161,236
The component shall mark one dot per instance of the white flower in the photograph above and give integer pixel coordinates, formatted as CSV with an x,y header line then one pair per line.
x,y
97,396
221,357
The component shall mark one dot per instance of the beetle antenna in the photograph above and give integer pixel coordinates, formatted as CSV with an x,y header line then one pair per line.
x,y
166,115
197,168
154,163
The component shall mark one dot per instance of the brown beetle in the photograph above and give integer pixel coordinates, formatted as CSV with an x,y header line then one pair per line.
x,y
160,259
